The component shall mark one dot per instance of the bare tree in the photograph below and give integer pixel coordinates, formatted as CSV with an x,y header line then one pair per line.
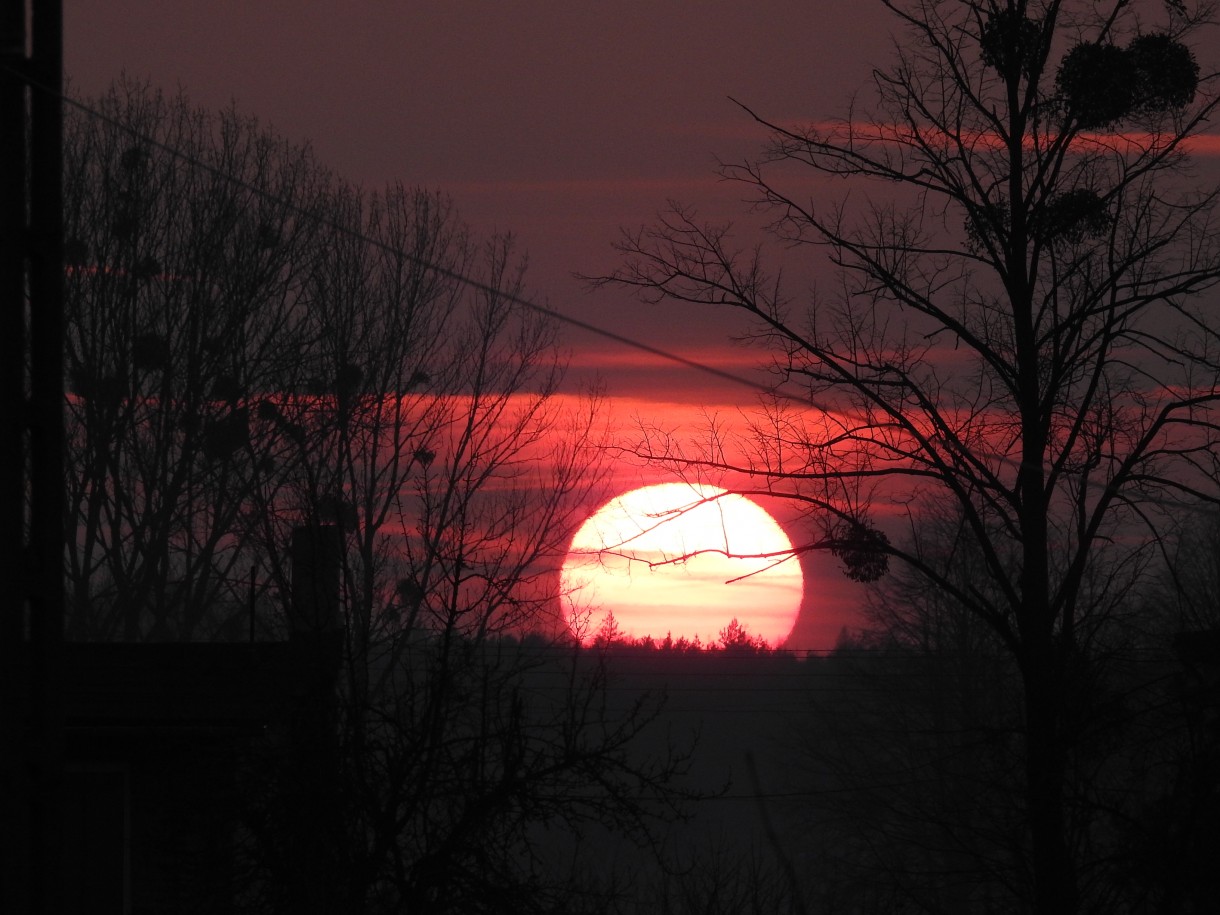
x,y
431,441
183,302
1019,329
1191,579
266,360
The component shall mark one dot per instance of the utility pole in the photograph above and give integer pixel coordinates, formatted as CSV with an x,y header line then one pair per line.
x,y
32,481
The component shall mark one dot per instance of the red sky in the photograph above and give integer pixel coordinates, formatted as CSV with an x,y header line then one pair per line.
x,y
562,122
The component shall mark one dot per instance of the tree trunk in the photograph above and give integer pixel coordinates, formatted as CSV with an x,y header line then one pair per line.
x,y
1053,870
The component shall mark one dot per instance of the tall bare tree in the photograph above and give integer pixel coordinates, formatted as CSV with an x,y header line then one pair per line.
x,y
1021,327
183,302
337,407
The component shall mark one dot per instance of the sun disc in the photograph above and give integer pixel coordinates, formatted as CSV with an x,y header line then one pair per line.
x,y
682,560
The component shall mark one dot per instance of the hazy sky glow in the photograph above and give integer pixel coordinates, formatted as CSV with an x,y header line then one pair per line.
x,y
560,123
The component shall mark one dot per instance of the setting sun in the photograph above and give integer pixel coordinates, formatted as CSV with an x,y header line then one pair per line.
x,y
682,560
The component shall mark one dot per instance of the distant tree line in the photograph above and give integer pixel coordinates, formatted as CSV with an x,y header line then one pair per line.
x,y
734,638
901,749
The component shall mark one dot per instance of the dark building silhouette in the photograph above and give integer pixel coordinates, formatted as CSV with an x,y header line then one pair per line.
x,y
160,740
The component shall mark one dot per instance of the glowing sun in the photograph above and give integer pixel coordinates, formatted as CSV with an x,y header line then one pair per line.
x,y
682,560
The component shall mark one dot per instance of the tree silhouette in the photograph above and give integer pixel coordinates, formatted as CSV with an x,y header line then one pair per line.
x,y
271,368
735,638
182,300
1018,329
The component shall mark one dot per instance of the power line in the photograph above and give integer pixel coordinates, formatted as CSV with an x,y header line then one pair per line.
x,y
456,276
423,262
449,273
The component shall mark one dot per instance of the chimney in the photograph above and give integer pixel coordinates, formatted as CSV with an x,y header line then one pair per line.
x,y
316,551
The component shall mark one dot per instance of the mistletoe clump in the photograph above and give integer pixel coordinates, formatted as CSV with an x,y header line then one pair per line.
x,y
1012,44
1101,84
863,550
